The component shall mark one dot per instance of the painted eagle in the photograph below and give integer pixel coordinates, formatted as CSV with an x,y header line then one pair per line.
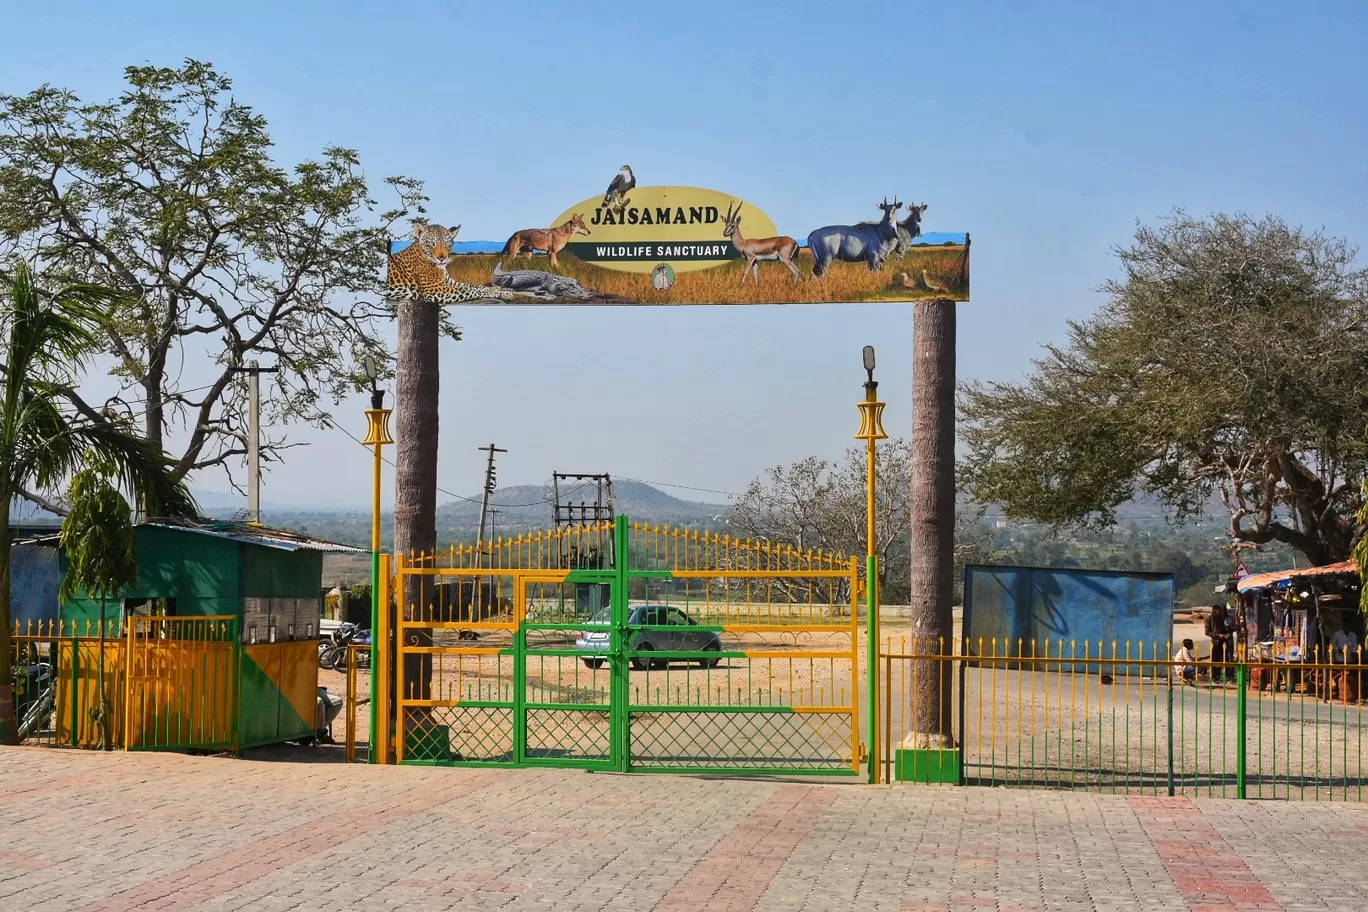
x,y
619,188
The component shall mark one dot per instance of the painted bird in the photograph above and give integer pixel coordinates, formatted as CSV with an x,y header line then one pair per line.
x,y
930,284
619,188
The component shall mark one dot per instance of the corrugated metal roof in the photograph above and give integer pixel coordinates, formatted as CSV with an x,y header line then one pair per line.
x,y
1261,580
254,535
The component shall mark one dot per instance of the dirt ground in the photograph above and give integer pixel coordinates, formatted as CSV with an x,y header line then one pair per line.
x,y
780,674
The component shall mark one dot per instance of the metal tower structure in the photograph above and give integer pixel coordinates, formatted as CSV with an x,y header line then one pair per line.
x,y
580,499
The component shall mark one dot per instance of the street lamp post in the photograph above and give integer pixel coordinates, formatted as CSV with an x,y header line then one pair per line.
x,y
871,431
377,437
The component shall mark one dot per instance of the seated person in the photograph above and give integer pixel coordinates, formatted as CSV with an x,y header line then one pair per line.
x,y
1185,662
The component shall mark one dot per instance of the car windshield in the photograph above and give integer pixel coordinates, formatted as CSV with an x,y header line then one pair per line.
x,y
603,616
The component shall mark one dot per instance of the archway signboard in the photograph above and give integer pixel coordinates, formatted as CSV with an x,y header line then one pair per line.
x,y
667,245
685,245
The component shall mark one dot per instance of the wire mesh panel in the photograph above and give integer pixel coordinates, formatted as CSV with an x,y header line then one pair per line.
x,y
743,656
455,666
569,653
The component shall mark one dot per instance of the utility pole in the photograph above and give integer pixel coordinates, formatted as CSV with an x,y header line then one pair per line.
x,y
489,486
253,370
493,522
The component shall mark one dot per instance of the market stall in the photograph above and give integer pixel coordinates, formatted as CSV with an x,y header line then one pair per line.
x,y
1300,617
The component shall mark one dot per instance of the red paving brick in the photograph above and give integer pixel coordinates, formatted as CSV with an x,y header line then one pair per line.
x,y
1207,872
736,872
193,885
123,832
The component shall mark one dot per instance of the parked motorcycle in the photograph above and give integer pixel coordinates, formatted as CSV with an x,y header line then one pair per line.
x,y
332,650
35,697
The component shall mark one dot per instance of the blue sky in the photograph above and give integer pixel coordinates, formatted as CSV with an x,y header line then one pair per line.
x,y
1045,130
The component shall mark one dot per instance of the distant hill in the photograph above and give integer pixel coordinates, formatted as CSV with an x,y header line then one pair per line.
x,y
521,508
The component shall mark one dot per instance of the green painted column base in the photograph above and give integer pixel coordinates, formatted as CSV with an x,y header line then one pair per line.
x,y
929,766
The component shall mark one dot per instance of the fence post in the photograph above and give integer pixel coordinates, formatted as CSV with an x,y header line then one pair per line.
x,y
620,702
872,660
236,655
383,668
75,687
960,726
1241,729
1170,733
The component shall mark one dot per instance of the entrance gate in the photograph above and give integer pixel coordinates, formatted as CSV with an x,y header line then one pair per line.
x,y
624,646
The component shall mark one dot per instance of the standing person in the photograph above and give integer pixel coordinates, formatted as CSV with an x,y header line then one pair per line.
x,y
1218,629
1344,650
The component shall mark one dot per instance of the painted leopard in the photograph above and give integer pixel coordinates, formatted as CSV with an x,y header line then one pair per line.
x,y
419,271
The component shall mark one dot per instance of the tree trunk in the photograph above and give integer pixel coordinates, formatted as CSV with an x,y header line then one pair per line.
x,y
933,519
417,385
153,417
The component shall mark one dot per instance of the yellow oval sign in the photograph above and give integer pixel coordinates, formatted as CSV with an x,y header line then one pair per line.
x,y
681,228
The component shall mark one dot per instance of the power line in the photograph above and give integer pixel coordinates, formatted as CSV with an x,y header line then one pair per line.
x,y
390,462
666,484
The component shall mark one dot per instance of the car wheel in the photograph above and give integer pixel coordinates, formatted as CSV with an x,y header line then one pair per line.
x,y
641,662
710,662
593,663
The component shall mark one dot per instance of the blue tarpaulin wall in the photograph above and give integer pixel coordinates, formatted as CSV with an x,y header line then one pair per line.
x,y
1085,610
34,583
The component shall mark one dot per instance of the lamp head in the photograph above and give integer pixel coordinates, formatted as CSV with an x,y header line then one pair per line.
x,y
372,369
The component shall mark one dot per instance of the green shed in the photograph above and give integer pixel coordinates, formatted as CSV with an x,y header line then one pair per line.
x,y
269,581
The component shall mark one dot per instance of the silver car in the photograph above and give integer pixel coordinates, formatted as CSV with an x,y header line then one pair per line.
x,y
679,638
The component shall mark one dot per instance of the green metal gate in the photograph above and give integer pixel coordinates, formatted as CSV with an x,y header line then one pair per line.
x,y
565,708
622,646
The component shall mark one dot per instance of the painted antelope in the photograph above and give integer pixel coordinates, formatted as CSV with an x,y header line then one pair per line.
x,y
783,249
870,242
552,240
909,229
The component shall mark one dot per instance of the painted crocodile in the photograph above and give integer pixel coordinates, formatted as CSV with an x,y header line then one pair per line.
x,y
545,284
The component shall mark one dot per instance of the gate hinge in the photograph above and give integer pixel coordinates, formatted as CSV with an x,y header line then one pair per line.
x,y
864,752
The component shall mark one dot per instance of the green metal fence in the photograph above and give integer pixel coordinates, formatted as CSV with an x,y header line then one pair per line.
x,y
1127,719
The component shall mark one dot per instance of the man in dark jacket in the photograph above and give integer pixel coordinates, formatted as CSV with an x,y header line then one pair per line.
x,y
1218,629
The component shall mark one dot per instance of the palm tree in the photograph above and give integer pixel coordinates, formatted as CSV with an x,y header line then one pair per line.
x,y
100,544
416,391
933,514
47,339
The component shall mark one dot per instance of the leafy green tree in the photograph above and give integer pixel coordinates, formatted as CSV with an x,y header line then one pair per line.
x,y
1226,367
168,193
814,503
98,540
47,339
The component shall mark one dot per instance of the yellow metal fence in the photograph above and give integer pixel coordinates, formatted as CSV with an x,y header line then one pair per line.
x,y
160,683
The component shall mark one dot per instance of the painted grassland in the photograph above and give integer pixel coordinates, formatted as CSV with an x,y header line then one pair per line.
x,y
945,266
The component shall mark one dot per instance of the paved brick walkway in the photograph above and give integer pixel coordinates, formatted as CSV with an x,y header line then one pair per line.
x,y
116,832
